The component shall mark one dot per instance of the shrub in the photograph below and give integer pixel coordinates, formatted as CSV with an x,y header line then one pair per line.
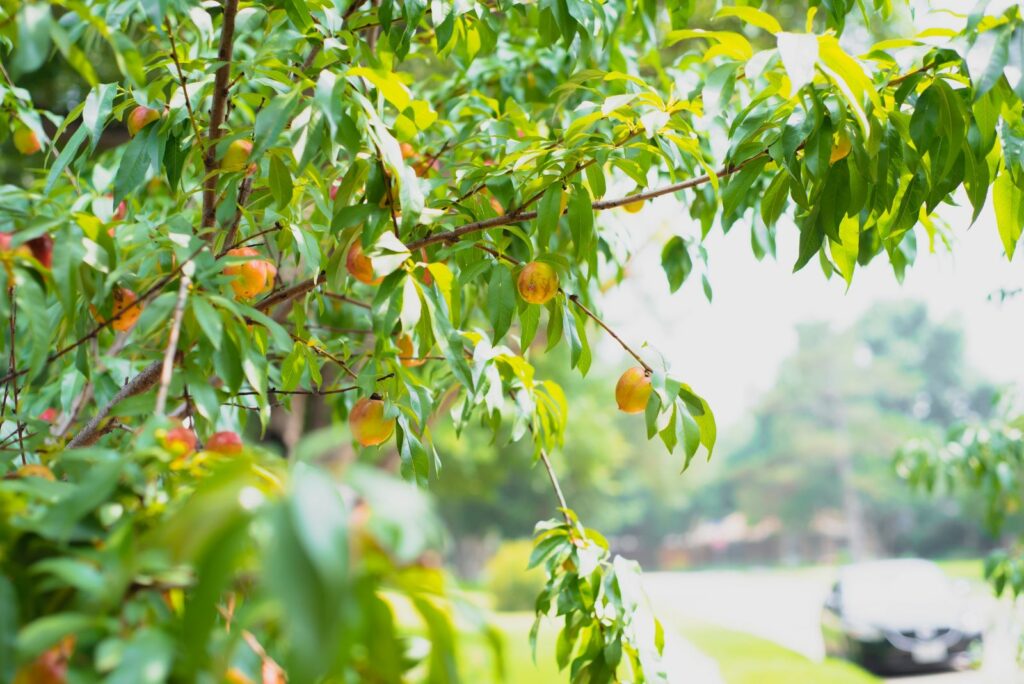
x,y
512,585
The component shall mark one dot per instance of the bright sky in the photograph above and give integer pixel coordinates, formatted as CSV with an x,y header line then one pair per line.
x,y
730,350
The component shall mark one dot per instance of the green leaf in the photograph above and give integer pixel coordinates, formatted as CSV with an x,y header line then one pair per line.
x,y
140,155
280,182
146,660
8,629
754,17
548,214
209,320
675,260
1008,200
501,300
65,157
97,109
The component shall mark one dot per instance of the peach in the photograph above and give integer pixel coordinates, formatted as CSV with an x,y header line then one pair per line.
x,y
251,277
359,265
180,441
121,211
633,390
36,470
538,282
407,352
126,309
26,141
369,426
634,207
237,156
42,249
408,151
840,148
49,415
226,442
139,118
50,667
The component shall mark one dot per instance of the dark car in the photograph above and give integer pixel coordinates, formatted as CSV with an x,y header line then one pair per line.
x,y
898,616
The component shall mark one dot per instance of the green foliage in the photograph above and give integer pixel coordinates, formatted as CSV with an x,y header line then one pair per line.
x,y
158,566
513,586
431,137
986,460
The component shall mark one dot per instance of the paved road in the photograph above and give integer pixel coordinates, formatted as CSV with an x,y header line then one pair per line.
x,y
785,607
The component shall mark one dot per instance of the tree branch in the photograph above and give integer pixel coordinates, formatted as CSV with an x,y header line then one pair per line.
x,y
172,345
563,506
218,111
142,382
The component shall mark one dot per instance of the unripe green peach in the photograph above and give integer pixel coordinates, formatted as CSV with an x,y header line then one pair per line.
x,y
633,390
369,426
538,282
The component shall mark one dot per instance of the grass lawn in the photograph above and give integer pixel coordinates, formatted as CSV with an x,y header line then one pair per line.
x,y
476,665
745,659
968,568
742,659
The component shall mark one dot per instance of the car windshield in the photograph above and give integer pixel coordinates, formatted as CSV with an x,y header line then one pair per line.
x,y
895,583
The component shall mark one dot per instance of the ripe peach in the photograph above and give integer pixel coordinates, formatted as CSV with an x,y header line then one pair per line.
x,y
50,667
840,148
496,206
26,141
180,441
49,415
359,265
537,282
334,188
408,151
251,277
226,442
126,309
36,470
237,156
236,676
7,239
140,117
369,426
42,249
633,390
407,353
121,211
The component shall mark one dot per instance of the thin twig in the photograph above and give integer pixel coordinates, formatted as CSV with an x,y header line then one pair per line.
x,y
347,300
218,111
13,383
181,80
241,241
142,382
562,505
172,346
327,355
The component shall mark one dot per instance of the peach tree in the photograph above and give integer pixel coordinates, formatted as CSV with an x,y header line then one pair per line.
x,y
390,207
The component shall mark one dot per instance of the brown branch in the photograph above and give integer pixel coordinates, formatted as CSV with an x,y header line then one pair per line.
x,y
290,293
327,355
599,205
181,80
142,382
347,300
12,384
562,505
218,111
243,196
576,300
172,345
241,241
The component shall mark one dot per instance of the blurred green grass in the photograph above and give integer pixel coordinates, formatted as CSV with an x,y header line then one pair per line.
x,y
745,659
